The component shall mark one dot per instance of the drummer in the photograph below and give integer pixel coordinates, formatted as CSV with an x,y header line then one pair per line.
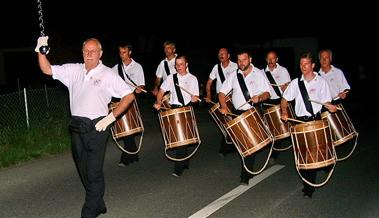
x,y
180,85
314,87
338,85
220,71
279,79
133,75
247,84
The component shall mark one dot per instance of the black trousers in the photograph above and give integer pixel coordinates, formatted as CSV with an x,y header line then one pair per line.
x,y
282,143
249,162
129,145
88,151
180,166
226,148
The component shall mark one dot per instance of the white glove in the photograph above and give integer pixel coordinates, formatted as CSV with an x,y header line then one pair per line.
x,y
104,123
42,41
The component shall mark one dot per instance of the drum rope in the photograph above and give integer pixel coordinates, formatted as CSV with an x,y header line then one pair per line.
x,y
351,152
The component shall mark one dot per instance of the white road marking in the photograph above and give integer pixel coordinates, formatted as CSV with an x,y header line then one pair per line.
x,y
217,204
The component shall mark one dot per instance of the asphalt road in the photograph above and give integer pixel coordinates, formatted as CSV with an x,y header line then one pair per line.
x,y
50,187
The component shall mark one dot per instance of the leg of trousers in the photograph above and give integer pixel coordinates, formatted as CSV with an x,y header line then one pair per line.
x,y
309,175
180,153
88,150
129,145
249,162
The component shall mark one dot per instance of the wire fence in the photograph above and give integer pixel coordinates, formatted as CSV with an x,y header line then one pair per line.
x,y
31,108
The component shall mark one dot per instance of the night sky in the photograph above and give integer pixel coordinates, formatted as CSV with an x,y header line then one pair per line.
x,y
197,30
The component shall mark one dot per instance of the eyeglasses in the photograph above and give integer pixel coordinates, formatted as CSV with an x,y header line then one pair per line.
x,y
89,52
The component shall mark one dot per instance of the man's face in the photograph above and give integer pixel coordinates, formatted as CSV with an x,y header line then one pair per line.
x,y
325,59
243,61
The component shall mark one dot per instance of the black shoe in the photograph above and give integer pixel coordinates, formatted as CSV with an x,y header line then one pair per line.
x,y
121,164
307,195
103,211
244,181
222,155
176,174
134,159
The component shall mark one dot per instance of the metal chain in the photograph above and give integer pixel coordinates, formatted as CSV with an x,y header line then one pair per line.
x,y
40,18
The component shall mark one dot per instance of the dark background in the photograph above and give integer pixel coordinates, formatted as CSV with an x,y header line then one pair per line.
x,y
198,31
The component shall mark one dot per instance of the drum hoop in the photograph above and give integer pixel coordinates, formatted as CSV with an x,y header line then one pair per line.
x,y
126,133
317,165
345,139
272,109
323,123
176,111
182,143
254,149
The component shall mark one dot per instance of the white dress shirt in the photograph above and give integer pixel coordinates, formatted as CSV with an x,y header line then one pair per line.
x,y
135,71
227,71
281,76
187,81
317,89
161,72
336,80
90,92
256,84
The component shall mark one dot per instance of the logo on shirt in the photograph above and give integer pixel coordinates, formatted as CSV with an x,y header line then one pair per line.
x,y
313,90
96,82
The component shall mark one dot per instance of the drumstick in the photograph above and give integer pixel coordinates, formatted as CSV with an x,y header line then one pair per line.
x,y
244,104
187,92
210,101
229,113
317,102
267,104
129,83
299,121
342,92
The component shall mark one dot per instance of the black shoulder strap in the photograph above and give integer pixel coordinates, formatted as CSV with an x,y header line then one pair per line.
x,y
166,68
130,79
243,86
221,73
177,89
273,83
304,94
120,71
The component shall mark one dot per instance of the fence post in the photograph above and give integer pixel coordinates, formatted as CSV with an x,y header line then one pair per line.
x,y
26,108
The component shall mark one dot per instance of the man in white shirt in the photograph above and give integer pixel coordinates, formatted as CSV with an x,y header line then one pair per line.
x,y
189,83
279,79
335,77
166,67
318,90
132,73
220,72
258,89
91,86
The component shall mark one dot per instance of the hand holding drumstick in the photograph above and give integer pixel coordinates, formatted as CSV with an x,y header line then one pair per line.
x,y
138,88
193,97
328,105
